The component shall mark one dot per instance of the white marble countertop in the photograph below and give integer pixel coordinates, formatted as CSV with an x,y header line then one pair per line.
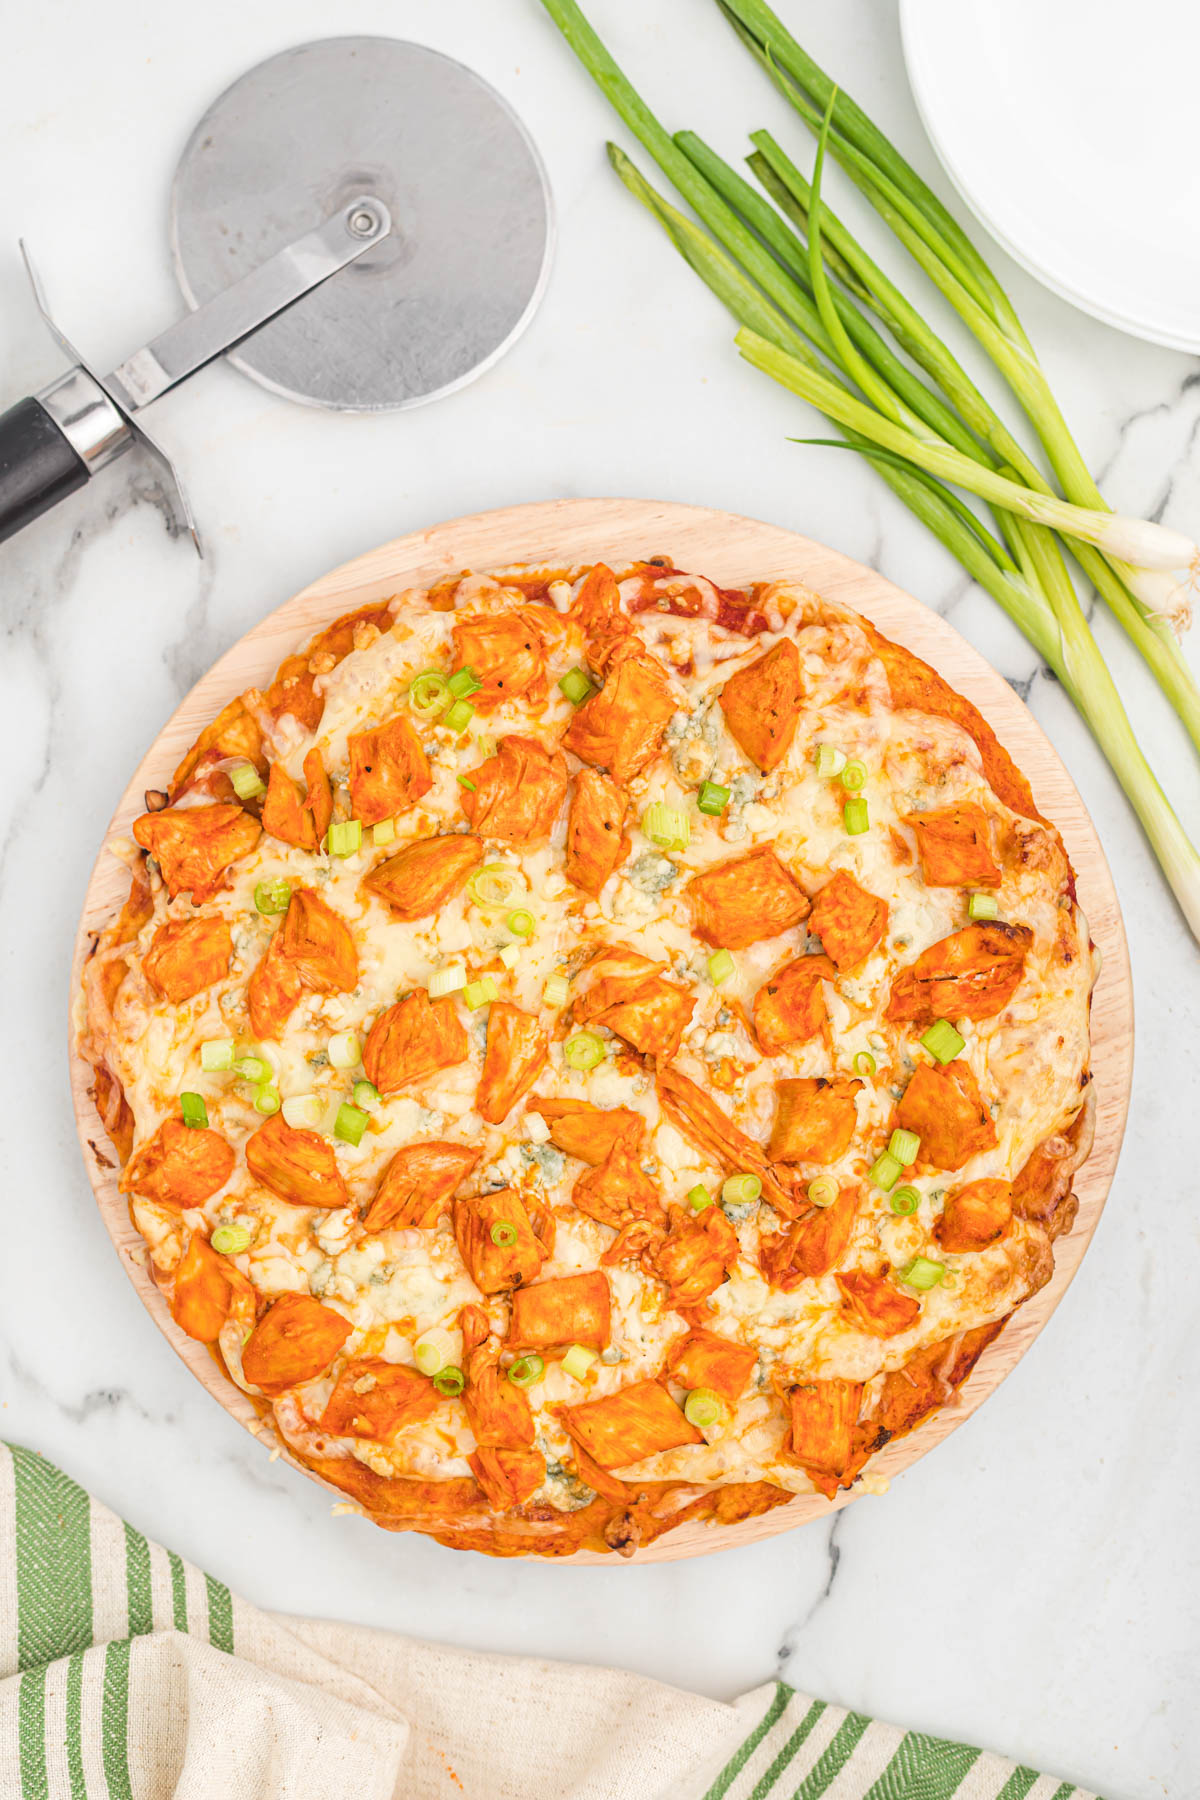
x,y
1032,1586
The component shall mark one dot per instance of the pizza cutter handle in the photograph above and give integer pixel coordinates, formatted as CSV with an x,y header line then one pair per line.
x,y
38,466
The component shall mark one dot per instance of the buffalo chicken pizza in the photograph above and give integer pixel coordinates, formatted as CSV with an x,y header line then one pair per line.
x,y
591,1050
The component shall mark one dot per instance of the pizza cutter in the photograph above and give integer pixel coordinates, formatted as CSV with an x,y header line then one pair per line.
x,y
357,223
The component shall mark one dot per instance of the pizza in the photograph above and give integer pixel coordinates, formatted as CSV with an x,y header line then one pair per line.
x,y
590,1049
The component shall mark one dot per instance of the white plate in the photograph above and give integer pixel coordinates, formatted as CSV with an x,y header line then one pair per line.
x,y
1069,128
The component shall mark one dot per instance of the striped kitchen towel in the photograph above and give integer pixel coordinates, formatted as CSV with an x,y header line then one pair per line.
x,y
127,1674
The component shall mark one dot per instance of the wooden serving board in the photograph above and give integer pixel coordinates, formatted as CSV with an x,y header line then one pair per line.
x,y
733,551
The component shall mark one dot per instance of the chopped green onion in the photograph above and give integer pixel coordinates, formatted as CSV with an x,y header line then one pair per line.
x,y
194,1111
712,799
578,1360
904,1146
450,1382
576,686
267,1098
303,1112
521,923
823,1191
698,1198
366,1095
828,761
504,1235
510,955
459,717
983,906
556,991
720,967
432,1351
864,1064
496,885
383,833
429,694
666,826
464,681
854,776
345,837
886,1172
248,784
480,993
345,1052
230,1240
904,1200
464,781
272,896
584,1050
922,1274
253,1069
449,980
350,1124
855,818
740,1190
526,1370
216,1054
942,1041
703,1409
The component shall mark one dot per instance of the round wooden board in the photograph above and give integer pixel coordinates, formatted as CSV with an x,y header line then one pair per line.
x,y
733,551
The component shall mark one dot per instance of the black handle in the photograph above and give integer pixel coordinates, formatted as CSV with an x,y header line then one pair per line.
x,y
38,467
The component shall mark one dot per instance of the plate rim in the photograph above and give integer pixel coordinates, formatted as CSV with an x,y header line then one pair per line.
x,y
532,531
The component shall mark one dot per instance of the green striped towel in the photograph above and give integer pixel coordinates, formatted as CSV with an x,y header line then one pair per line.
x,y
126,1674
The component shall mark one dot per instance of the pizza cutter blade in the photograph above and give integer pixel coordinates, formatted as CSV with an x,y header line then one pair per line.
x,y
358,223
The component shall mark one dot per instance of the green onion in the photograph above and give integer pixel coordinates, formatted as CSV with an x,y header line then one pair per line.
x,y
216,1054
904,1146
350,1124
504,1235
450,1382
703,1409
556,991
720,967
344,838
712,799
855,817
823,1191
698,1198
576,686
272,896
267,1099
464,781
254,1069
496,885
864,1064
480,993
904,1200
248,784
230,1240
432,1351
303,1112
886,1172
526,1370
194,1111
464,681
942,1041
922,1274
983,906
828,762
366,1095
740,1190
459,716
345,1051
854,776
666,826
383,834
578,1360
450,980
429,694
584,1050
510,955
521,923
